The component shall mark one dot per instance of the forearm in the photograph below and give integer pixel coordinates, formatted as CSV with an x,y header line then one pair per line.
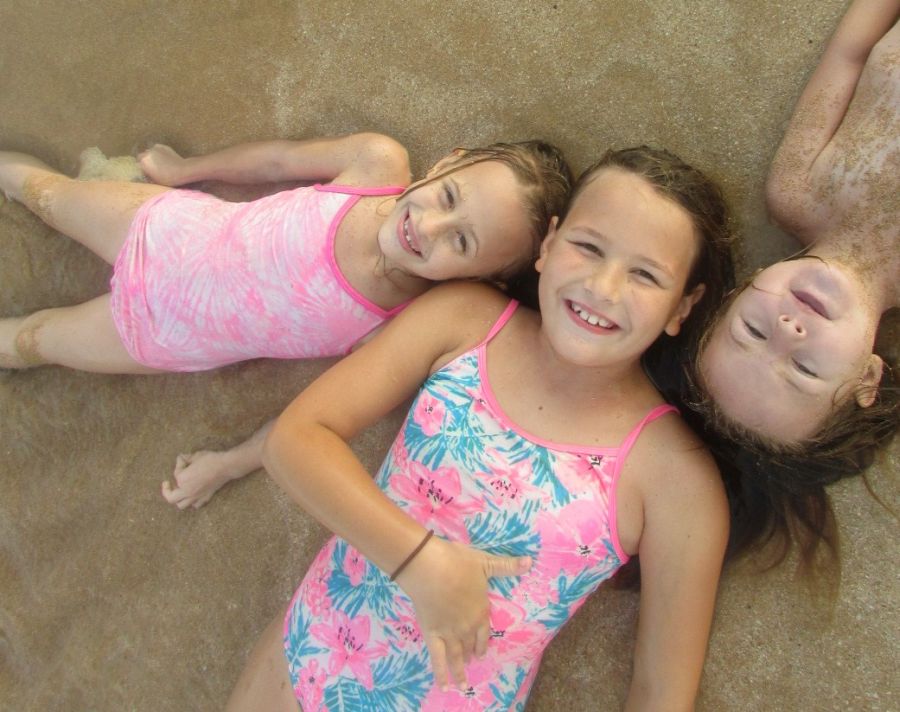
x,y
259,162
318,471
246,457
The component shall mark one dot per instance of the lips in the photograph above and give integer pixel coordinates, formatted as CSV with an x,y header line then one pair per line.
x,y
590,320
406,236
811,302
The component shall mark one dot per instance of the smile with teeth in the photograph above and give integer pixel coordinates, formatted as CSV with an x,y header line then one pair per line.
x,y
406,236
590,318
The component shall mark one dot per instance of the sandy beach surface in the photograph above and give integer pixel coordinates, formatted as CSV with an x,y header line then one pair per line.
x,y
110,599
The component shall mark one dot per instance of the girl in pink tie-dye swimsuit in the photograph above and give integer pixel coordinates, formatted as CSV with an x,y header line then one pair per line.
x,y
200,282
536,459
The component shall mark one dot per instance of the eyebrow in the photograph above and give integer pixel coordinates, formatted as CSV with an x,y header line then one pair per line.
x,y
643,258
460,199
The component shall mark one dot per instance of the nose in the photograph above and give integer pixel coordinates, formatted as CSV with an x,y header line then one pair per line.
x,y
790,327
605,282
434,225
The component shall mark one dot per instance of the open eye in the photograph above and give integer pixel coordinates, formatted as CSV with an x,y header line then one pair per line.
x,y
754,332
805,370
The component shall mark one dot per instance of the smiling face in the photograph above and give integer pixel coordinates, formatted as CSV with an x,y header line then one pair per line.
x,y
792,346
468,223
613,274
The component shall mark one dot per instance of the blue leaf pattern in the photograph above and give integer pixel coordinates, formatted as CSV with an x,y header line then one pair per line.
x,y
505,490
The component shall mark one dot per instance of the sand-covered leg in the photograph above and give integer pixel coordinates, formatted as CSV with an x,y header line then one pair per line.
x,y
97,214
81,336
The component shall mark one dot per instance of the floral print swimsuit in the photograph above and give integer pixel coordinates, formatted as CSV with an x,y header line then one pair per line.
x,y
201,282
459,466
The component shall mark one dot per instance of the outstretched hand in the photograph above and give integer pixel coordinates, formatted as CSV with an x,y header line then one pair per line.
x,y
197,477
448,585
162,165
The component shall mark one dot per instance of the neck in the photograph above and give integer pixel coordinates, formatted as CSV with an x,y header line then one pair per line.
x,y
588,383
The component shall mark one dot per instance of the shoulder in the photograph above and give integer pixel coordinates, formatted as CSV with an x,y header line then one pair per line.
x,y
672,469
376,160
457,315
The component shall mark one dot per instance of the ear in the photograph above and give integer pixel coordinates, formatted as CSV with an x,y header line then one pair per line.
x,y
683,310
867,390
545,243
444,163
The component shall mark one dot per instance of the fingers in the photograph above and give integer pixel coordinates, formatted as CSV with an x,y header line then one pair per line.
x,y
482,635
448,661
438,660
506,565
456,661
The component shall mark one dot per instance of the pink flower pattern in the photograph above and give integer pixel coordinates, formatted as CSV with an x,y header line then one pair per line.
x,y
572,539
433,497
429,414
569,533
348,640
354,565
308,688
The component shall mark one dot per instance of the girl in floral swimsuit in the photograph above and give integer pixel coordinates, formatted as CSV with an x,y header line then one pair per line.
x,y
539,454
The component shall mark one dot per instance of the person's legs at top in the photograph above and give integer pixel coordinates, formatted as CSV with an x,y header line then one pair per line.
x,y
97,214
81,336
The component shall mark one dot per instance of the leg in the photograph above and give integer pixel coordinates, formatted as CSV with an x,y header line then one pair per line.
x,y
82,337
95,213
199,475
265,683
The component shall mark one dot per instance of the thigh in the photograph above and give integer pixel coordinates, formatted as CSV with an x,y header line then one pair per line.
x,y
82,336
98,214
265,683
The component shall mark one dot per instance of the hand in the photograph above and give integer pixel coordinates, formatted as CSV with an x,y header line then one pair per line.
x,y
162,165
197,476
448,585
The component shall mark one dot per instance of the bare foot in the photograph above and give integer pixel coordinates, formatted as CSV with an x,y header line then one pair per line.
x,y
198,476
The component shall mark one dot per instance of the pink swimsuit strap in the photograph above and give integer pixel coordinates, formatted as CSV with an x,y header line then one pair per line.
x,y
359,190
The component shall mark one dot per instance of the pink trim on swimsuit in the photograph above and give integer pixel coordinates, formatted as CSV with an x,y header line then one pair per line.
x,y
332,233
461,468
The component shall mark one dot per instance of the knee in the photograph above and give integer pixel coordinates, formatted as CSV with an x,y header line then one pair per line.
x,y
27,341
39,193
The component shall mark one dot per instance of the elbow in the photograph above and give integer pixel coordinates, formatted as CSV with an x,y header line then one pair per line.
x,y
380,150
272,449
777,203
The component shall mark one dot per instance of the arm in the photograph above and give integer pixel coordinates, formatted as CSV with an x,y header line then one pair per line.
x,y
820,111
358,158
681,551
199,475
307,454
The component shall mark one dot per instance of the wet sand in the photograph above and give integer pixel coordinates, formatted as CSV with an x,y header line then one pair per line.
x,y
112,600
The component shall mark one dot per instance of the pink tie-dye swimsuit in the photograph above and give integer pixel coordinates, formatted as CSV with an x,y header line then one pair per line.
x,y
461,467
201,282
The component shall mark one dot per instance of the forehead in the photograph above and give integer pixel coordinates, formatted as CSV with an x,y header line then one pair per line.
x,y
492,197
624,204
750,390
